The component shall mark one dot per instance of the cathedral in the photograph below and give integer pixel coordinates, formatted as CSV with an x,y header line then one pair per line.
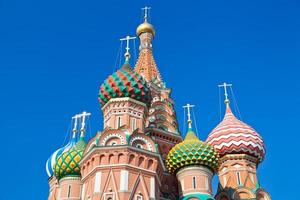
x,y
140,153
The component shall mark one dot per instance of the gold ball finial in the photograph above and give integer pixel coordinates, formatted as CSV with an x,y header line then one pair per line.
x,y
145,27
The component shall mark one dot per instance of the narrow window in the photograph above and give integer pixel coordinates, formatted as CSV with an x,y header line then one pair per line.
x,y
139,197
119,122
194,183
69,191
238,178
133,124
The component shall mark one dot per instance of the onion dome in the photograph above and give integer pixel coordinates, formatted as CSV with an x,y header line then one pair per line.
x,y
124,83
192,151
52,159
145,27
67,164
233,136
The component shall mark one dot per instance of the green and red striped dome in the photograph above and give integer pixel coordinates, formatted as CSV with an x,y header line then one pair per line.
x,y
124,83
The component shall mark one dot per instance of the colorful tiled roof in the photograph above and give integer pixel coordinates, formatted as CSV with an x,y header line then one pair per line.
x,y
67,164
124,83
233,136
192,151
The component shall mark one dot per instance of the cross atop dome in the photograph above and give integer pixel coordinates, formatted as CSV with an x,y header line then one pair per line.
x,y
225,85
83,117
127,39
76,117
188,107
146,10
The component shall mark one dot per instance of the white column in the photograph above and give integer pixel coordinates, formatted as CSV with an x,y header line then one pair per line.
x,y
97,185
124,180
83,191
152,187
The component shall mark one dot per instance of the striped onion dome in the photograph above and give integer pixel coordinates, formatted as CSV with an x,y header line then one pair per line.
x,y
52,159
67,164
233,136
192,151
124,83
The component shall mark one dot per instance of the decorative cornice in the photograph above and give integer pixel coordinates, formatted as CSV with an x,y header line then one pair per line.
x,y
68,178
124,99
238,157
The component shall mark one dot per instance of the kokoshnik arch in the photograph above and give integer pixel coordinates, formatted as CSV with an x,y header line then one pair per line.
x,y
140,153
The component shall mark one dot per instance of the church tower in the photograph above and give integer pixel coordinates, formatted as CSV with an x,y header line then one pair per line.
x,y
241,149
161,122
140,155
194,162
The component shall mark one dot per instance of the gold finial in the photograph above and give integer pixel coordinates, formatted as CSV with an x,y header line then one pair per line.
x,y
225,85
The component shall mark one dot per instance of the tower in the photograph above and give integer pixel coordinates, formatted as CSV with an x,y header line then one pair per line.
x,y
124,97
161,121
64,173
194,162
122,162
241,149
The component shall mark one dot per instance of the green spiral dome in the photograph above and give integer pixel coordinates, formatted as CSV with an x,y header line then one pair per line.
x,y
192,151
124,83
67,164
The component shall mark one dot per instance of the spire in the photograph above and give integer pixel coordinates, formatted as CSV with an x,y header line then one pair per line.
x,y
146,65
190,134
127,54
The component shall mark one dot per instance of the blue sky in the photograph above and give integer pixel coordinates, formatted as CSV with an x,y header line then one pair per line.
x,y
55,54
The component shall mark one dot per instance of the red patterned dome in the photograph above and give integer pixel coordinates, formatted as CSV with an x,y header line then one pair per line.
x,y
124,83
233,136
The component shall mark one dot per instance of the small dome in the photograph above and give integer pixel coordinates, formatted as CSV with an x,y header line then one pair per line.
x,y
145,28
50,164
192,151
67,164
124,83
233,136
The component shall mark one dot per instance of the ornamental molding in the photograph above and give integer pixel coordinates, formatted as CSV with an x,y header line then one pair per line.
x,y
113,135
195,167
70,178
123,99
238,157
150,147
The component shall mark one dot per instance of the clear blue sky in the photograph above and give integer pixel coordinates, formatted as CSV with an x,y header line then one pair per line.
x,y
54,55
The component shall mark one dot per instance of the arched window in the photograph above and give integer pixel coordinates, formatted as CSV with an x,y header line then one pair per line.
x,y
139,197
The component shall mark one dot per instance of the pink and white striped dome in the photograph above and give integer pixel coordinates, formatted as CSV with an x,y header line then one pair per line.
x,y
233,136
